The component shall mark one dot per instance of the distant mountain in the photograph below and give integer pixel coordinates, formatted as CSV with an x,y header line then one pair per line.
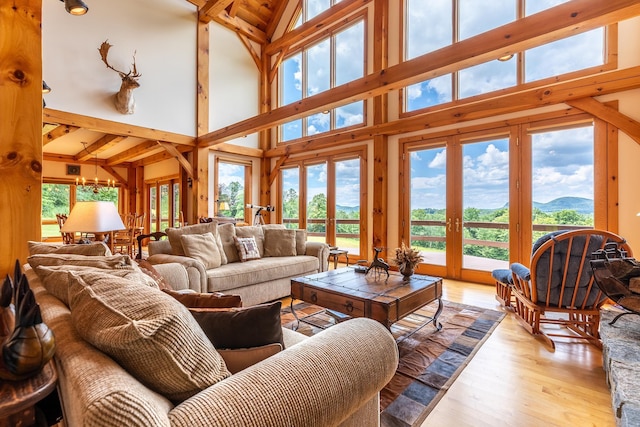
x,y
347,208
578,204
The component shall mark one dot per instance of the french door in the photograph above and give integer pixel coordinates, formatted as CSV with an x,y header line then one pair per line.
x,y
457,204
325,196
163,205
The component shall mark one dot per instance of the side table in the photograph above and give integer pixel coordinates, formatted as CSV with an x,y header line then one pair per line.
x,y
18,398
335,252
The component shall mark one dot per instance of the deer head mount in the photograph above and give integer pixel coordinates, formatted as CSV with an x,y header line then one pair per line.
x,y
124,101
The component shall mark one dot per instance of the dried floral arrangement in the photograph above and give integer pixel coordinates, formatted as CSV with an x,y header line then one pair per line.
x,y
406,256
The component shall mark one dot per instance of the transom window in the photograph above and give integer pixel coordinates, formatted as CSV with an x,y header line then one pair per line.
x,y
318,67
429,26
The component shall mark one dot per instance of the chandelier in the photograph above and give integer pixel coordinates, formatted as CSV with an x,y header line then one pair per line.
x,y
95,185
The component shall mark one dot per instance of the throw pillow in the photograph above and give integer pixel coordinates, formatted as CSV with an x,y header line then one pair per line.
x,y
241,358
147,332
55,278
147,268
173,234
93,249
279,242
247,248
248,327
108,262
223,255
206,300
301,241
227,232
202,247
254,231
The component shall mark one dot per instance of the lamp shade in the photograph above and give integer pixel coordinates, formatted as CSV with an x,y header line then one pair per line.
x,y
224,206
93,217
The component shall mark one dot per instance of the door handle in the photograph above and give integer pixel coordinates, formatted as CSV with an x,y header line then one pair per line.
x,y
449,224
457,225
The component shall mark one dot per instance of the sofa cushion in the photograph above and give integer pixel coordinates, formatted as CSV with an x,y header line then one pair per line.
x,y
301,241
92,249
55,278
227,232
223,255
241,327
254,231
247,248
260,270
206,300
202,247
147,332
279,242
241,358
174,234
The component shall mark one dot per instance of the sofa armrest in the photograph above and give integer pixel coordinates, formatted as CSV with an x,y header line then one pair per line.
x,y
321,251
195,269
175,274
320,381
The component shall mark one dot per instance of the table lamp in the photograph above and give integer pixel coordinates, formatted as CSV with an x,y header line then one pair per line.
x,y
95,217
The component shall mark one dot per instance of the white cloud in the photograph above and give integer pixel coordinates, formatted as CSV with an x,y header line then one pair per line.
x,y
439,161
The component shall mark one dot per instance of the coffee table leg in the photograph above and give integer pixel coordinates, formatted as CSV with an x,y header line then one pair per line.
x,y
437,324
296,316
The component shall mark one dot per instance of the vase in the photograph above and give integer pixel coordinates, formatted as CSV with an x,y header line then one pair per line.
x,y
406,270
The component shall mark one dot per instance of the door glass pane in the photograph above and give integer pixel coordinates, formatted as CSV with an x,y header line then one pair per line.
x,y
428,203
165,220
291,197
55,200
485,198
347,221
231,189
317,202
153,213
176,205
562,180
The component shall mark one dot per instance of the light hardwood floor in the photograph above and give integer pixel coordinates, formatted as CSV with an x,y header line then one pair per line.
x,y
514,380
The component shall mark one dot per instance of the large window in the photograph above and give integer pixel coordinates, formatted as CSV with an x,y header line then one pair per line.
x,y
429,26
233,185
323,64
60,198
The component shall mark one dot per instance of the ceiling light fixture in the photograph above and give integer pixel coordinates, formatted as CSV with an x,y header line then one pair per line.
x,y
96,186
505,58
75,7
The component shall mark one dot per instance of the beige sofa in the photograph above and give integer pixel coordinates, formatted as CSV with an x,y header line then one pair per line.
x,y
266,278
332,378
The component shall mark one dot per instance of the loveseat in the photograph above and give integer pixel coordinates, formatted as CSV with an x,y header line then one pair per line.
x,y
218,265
332,378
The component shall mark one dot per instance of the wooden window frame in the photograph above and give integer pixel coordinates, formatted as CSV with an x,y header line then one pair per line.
x,y
248,171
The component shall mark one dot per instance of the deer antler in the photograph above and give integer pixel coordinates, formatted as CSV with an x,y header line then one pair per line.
x,y
104,51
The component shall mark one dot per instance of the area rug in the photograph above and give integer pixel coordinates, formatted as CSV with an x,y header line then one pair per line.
x,y
430,360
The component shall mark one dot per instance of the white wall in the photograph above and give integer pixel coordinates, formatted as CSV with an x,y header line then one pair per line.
x,y
162,33
234,83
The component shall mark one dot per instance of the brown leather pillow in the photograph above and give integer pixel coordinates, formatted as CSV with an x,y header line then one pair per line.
x,y
148,269
241,327
208,300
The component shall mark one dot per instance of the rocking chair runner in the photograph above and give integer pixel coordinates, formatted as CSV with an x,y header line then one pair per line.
x,y
560,281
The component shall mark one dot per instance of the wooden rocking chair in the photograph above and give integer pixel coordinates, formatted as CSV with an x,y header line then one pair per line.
x,y
561,282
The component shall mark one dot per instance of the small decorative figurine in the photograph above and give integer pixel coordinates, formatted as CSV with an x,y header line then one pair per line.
x,y
378,265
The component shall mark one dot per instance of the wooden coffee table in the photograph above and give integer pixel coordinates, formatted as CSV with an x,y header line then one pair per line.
x,y
377,297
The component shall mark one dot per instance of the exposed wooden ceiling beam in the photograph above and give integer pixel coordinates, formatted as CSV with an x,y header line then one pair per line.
x,y
57,132
610,115
132,152
107,126
276,16
169,148
105,142
552,94
66,158
242,27
111,171
212,8
197,3
556,23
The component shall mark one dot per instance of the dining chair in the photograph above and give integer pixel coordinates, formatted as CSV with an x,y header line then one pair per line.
x,y
124,240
